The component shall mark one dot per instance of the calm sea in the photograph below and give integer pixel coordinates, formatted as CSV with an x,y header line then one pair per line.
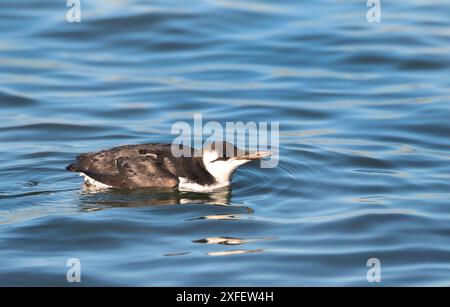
x,y
364,119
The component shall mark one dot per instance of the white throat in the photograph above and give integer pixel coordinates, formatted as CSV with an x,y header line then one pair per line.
x,y
222,171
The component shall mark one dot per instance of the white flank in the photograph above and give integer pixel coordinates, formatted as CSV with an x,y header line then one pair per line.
x,y
88,181
186,185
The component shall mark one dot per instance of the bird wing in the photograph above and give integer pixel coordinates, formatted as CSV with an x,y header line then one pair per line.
x,y
132,172
145,172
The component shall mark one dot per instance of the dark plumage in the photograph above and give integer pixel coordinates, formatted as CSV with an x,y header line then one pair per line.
x,y
146,165
155,166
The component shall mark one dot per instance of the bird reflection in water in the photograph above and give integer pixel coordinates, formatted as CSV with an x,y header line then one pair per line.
x,y
94,200
230,241
234,252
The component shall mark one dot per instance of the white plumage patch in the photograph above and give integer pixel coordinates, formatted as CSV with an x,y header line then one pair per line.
x,y
186,185
88,181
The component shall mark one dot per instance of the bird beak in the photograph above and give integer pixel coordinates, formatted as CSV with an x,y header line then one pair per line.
x,y
255,155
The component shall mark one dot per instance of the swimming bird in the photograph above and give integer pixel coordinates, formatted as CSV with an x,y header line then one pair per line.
x,y
154,165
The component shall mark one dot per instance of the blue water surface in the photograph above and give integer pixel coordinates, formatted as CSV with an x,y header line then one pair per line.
x,y
364,119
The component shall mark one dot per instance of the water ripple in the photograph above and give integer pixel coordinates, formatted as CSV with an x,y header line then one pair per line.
x,y
363,112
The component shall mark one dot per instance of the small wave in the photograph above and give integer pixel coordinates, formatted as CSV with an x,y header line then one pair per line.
x,y
15,100
422,64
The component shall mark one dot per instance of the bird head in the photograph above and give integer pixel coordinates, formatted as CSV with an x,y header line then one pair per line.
x,y
221,159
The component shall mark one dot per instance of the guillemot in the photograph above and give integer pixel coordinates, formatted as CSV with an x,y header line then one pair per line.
x,y
154,165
